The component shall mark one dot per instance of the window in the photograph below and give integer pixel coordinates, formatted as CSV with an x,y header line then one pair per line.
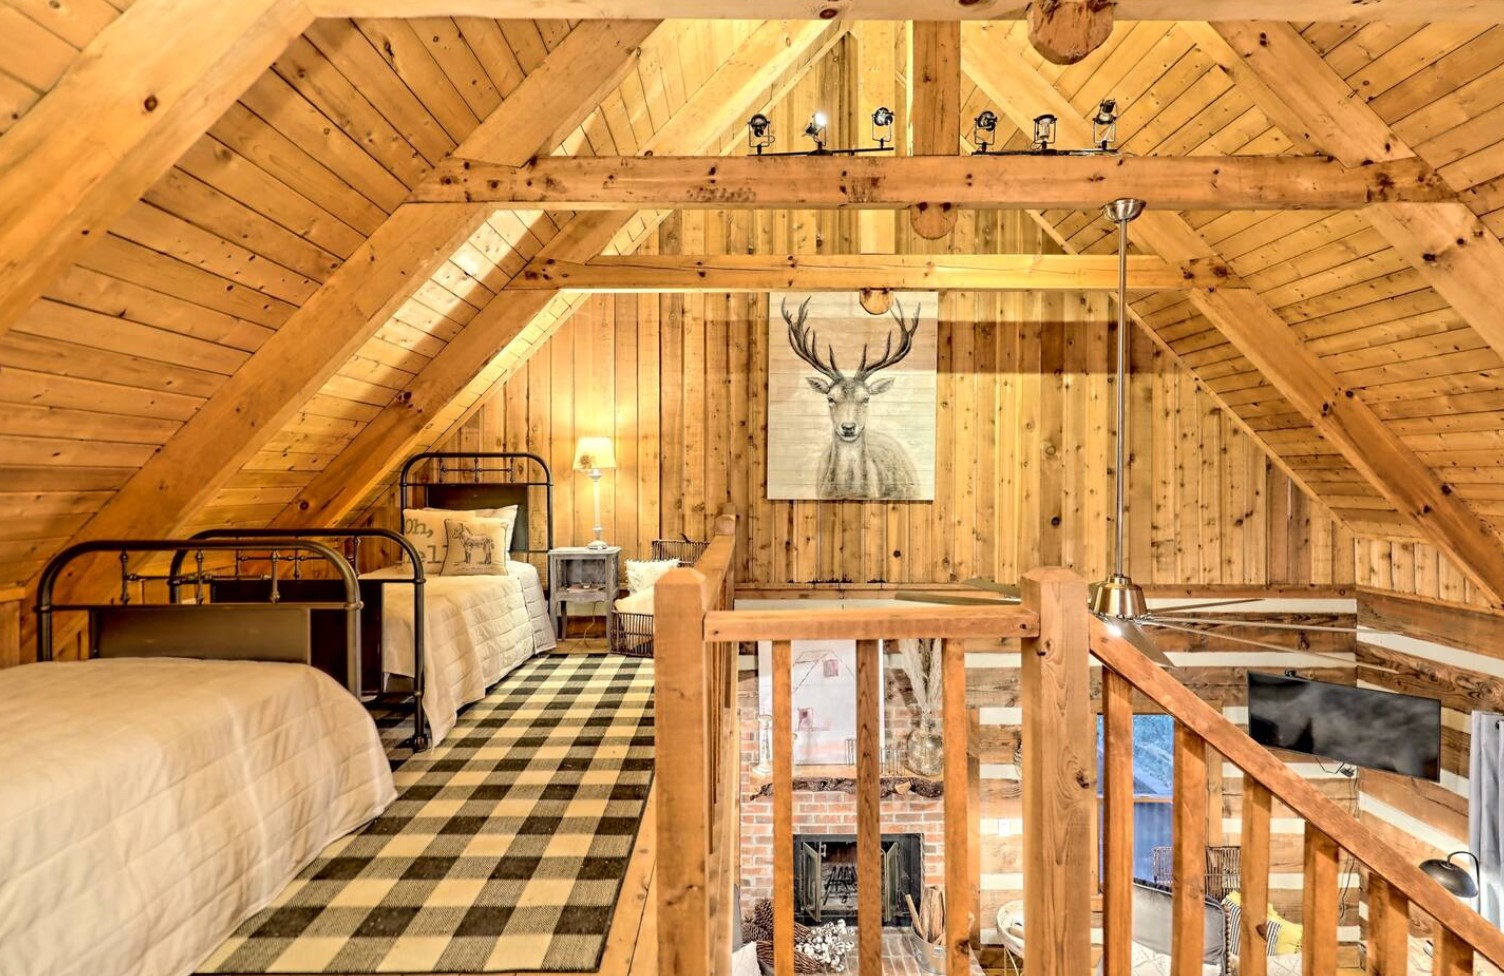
x,y
1153,788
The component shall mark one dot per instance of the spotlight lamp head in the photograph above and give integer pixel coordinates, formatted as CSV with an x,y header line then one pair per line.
x,y
882,126
1452,876
1044,132
816,130
984,130
1104,125
760,133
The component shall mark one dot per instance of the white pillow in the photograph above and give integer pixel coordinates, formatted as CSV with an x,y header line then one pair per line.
x,y
509,513
636,603
645,575
477,547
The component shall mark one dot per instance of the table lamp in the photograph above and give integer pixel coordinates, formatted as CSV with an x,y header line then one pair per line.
x,y
593,455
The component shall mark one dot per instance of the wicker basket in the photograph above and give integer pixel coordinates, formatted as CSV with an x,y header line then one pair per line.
x,y
634,631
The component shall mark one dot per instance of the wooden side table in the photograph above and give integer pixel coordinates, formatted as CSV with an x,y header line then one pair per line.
x,y
577,574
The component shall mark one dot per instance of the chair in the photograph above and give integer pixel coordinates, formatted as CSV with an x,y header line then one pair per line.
x,y
1153,933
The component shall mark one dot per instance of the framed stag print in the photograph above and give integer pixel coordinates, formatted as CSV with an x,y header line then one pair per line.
x,y
851,397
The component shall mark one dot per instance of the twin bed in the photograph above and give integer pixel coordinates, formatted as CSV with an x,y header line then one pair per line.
x,y
167,788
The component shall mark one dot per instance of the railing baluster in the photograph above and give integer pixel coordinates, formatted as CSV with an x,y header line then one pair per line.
x,y
869,846
1117,812
1252,947
1388,928
1319,905
783,809
1188,909
959,893
1453,956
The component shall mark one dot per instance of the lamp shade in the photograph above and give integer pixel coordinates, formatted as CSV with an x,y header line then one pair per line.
x,y
593,453
1452,877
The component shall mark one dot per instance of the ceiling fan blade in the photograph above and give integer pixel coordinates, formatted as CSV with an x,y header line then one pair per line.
x,y
1185,607
1129,631
993,586
914,596
1253,643
1234,622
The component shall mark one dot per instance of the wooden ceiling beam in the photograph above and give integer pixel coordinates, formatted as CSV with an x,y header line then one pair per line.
x,y
935,115
1445,241
128,107
1268,342
722,273
895,182
737,88
1340,11
292,365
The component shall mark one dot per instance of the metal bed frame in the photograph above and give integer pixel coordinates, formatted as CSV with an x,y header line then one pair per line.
x,y
275,630
270,538
464,495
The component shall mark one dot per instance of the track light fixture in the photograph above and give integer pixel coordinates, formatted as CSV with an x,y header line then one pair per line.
x,y
882,126
760,133
1044,132
984,130
1104,125
816,130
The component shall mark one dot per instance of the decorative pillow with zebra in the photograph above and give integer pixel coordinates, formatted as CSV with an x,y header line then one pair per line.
x,y
477,547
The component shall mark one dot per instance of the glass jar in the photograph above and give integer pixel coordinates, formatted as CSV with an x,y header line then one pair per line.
x,y
926,747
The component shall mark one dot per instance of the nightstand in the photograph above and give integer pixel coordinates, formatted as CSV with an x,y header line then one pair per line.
x,y
577,574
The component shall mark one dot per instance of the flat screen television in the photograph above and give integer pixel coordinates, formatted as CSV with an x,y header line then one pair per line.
x,y
1376,729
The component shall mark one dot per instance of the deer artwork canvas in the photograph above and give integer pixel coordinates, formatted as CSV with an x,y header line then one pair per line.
x,y
851,397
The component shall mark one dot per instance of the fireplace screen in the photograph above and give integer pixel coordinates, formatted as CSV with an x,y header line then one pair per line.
x,y
825,877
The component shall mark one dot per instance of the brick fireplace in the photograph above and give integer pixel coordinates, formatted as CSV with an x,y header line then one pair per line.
x,y
830,811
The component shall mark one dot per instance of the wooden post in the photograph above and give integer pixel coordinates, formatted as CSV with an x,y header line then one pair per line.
x,y
1117,814
783,809
1189,910
1454,957
960,896
1059,787
1388,928
1252,947
1319,905
683,783
869,827
936,112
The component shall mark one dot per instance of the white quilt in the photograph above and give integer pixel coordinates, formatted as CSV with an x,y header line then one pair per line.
x,y
476,631
147,807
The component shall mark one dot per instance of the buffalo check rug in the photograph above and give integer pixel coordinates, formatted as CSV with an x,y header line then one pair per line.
x,y
505,850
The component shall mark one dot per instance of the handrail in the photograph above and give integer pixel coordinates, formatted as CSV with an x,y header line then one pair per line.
x,y
872,623
1265,769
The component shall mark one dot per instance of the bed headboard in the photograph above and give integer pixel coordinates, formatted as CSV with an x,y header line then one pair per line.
x,y
277,629
496,480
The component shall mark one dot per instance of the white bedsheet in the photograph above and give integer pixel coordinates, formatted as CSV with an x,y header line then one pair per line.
x,y
147,807
476,631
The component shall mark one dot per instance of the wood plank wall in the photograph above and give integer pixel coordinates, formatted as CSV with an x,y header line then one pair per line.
x,y
1422,646
1025,438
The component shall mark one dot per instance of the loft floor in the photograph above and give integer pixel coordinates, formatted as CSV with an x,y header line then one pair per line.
x,y
523,843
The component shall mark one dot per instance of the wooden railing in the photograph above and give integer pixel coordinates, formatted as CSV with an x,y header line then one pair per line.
x,y
698,788
696,742
1394,884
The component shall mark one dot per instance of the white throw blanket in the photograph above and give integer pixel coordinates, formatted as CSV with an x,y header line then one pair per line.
x,y
148,806
476,629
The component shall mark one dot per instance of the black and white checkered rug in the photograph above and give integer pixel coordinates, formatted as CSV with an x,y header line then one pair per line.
x,y
505,850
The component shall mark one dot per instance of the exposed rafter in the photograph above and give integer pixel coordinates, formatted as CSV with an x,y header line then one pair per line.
x,y
1445,241
988,182
1261,336
352,305
132,103
935,117
1342,11
852,272
738,87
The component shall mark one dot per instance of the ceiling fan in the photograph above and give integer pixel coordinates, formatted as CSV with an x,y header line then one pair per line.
x,y
1117,601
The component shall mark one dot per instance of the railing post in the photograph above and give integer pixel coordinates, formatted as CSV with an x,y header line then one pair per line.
x,y
1319,907
1188,911
1252,946
960,897
869,827
681,724
1388,928
1117,814
1059,787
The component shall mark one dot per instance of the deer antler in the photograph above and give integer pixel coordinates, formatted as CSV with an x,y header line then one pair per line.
x,y
890,356
804,342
